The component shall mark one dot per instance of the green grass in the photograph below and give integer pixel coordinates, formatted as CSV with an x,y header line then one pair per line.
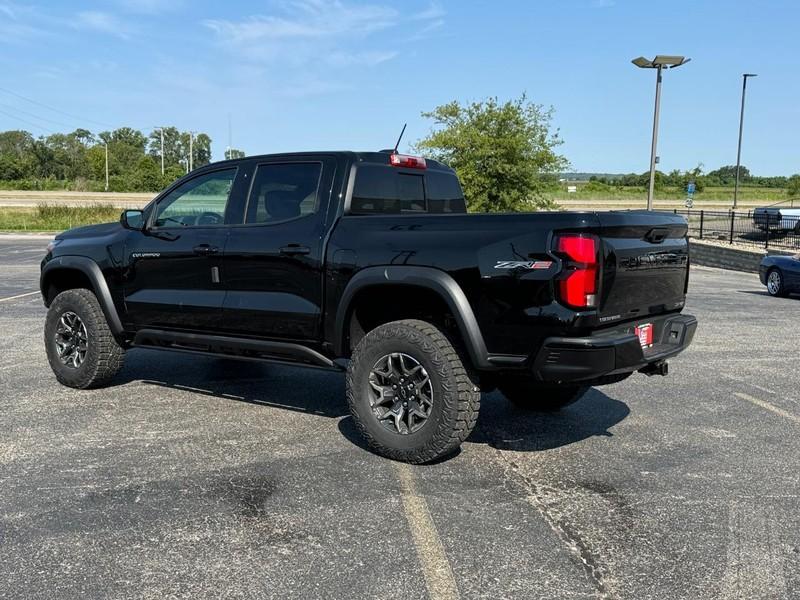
x,y
49,217
746,194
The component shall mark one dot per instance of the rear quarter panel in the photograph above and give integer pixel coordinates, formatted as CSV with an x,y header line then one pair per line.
x,y
515,307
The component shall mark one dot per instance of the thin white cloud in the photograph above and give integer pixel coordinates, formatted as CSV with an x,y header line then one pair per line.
x,y
101,22
434,12
297,45
305,19
16,23
151,7
298,32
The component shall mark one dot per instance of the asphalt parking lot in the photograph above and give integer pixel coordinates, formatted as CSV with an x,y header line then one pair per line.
x,y
196,477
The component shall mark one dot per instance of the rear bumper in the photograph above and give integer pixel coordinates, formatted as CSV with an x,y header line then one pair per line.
x,y
614,352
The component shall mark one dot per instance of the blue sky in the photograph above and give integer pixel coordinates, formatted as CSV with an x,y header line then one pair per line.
x,y
346,74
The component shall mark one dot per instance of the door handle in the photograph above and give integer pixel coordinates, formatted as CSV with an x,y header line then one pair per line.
x,y
205,249
295,250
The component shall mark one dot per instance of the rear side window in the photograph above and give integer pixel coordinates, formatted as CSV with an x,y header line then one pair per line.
x,y
283,191
444,193
380,189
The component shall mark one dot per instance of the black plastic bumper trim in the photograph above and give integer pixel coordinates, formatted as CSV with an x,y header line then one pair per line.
x,y
611,353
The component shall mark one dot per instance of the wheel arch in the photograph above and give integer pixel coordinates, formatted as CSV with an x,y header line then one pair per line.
x,y
429,279
71,272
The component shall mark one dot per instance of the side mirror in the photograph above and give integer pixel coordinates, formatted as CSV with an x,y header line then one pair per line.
x,y
132,219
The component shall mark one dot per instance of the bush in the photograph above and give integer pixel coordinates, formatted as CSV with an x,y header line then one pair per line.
x,y
793,186
595,186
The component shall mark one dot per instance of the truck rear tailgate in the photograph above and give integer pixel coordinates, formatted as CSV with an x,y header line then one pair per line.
x,y
645,264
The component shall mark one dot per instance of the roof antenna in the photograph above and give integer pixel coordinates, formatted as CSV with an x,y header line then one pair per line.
x,y
400,138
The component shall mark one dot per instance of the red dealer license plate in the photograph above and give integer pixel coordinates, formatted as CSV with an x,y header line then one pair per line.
x,y
645,334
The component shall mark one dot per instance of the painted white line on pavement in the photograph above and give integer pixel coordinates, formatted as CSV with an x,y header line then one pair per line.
x,y
18,296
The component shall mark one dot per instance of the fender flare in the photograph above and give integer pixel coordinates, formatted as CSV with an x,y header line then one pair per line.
x,y
427,277
91,269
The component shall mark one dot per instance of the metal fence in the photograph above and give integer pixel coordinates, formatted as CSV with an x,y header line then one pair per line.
x,y
744,228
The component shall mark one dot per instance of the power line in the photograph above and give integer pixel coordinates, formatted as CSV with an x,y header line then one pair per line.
x,y
31,123
35,116
48,107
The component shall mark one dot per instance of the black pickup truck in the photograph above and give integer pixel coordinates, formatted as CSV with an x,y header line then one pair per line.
x,y
369,263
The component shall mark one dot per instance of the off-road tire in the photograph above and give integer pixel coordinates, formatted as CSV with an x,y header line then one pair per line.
x,y
456,395
528,394
104,356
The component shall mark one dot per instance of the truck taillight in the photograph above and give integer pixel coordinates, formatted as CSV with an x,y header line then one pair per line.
x,y
579,288
404,160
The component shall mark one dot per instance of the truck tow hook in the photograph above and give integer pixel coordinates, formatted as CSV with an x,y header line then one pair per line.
x,y
657,368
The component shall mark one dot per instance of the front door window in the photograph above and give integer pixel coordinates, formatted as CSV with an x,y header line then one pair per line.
x,y
199,202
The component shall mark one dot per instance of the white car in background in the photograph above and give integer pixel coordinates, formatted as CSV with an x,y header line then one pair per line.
x,y
777,219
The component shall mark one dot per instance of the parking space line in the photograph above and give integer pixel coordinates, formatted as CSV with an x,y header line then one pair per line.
x,y
18,296
436,568
767,406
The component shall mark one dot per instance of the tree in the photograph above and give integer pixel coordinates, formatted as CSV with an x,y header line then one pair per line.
x,y
173,146
201,148
125,135
502,152
727,175
233,153
793,186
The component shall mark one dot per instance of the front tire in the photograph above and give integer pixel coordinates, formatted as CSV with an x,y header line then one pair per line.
x,y
410,392
528,394
80,347
775,286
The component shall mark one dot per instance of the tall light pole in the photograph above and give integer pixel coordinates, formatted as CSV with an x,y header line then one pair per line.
x,y
658,63
191,153
106,145
739,151
162,149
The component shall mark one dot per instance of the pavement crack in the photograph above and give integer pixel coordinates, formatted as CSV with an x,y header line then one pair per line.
x,y
537,496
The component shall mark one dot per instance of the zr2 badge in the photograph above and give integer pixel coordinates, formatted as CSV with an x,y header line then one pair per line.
x,y
523,264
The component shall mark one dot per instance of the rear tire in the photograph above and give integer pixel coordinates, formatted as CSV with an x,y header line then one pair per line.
x,y
528,394
775,286
80,347
410,392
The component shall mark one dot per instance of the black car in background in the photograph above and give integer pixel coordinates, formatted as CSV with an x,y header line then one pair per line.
x,y
781,274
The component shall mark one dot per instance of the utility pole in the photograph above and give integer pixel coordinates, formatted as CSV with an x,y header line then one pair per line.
x,y
162,149
191,152
230,139
739,151
106,145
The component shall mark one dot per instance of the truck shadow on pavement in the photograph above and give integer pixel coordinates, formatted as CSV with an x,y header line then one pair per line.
x,y
502,426
318,392
312,391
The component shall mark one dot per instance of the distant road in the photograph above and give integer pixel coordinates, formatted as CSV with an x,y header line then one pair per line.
x,y
119,200
137,200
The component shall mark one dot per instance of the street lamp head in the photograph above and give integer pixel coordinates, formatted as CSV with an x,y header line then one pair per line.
x,y
670,61
746,75
662,60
